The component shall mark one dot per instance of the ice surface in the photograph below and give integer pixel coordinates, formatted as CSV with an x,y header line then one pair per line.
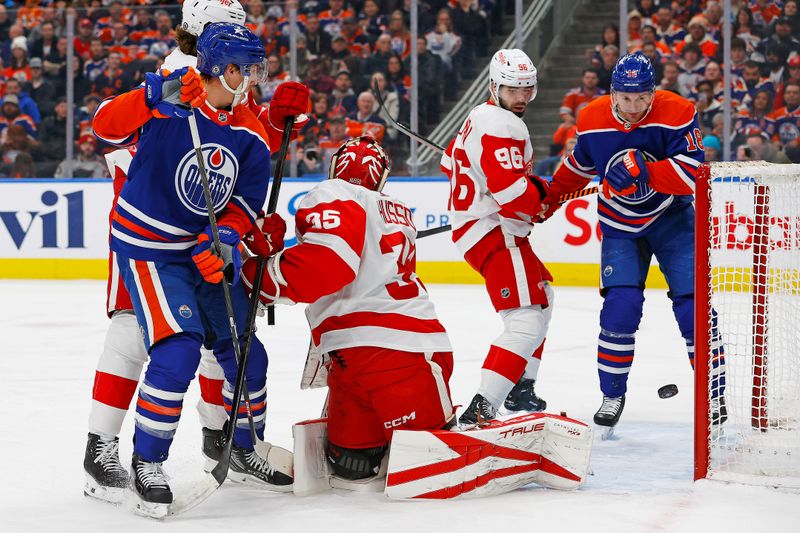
x,y
53,333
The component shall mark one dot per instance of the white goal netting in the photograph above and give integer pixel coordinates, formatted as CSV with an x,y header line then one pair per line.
x,y
753,321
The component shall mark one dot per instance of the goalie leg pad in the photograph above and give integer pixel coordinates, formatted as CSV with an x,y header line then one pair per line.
x,y
550,450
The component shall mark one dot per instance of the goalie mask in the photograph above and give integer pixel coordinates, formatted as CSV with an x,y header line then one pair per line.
x,y
361,161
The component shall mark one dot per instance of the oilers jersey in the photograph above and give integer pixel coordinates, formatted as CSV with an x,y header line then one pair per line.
x,y
669,138
161,208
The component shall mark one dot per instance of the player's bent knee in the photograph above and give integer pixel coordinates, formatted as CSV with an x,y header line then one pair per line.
x,y
622,309
354,464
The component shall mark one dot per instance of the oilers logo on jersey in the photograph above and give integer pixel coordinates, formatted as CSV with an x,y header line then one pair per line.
x,y
643,191
222,168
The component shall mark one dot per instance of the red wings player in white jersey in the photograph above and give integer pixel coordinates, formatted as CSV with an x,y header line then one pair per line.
x,y
494,202
391,359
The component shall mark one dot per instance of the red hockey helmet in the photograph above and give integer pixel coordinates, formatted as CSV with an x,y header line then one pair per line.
x,y
361,161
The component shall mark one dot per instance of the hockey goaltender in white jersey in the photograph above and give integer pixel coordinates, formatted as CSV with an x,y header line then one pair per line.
x,y
389,359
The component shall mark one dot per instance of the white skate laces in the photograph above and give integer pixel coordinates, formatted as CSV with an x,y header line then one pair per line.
x,y
255,460
107,455
151,475
610,406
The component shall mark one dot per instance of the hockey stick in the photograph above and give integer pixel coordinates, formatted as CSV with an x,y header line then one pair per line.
x,y
402,127
561,199
213,480
272,205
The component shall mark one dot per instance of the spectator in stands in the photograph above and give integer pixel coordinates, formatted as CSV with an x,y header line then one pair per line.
x,y
87,162
763,12
27,106
162,41
782,36
791,75
698,35
309,157
663,52
610,36
786,120
738,56
548,165
471,27
41,90
83,41
647,8
339,50
579,97
15,153
713,74
712,148
371,20
634,31
144,24
391,105
55,65
46,43
18,66
317,80
430,71
318,118
113,80
650,52
791,13
608,58
342,94
52,135
332,18
669,82
30,14
755,117
318,42
775,63
378,60
442,41
396,77
357,41
5,23
758,148
337,134
692,66
685,10
745,29
275,76
744,88
364,121
12,115
399,34
86,113
707,106
97,64
668,32
16,30
713,15
256,16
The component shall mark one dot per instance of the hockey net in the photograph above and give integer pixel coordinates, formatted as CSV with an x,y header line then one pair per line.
x,y
747,323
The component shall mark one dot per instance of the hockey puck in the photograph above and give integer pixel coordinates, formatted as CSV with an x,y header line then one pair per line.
x,y
668,391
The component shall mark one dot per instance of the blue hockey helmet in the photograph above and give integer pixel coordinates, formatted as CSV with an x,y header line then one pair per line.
x,y
224,43
633,73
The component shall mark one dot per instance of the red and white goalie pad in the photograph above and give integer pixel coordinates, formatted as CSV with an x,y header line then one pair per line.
x,y
550,450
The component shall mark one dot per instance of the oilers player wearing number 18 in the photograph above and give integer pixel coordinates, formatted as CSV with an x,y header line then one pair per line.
x,y
162,241
646,147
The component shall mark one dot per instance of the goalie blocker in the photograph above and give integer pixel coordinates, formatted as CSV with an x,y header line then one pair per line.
x,y
549,450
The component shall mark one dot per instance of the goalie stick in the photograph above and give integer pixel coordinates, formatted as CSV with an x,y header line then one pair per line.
x,y
214,479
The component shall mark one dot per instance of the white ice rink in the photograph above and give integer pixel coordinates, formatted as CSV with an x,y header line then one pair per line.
x,y
52,333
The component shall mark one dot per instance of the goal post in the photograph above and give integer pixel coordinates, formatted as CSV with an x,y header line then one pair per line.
x,y
747,323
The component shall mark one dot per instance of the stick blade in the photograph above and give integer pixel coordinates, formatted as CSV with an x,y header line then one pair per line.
x,y
199,493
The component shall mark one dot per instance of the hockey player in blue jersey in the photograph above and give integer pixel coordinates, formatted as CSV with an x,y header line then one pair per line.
x,y
646,147
162,240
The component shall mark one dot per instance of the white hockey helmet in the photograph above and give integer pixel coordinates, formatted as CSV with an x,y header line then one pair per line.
x,y
511,67
197,13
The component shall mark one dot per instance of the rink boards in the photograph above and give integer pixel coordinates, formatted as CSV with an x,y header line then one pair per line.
x,y
58,229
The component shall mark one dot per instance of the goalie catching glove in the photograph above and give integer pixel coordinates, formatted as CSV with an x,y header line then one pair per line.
x,y
173,94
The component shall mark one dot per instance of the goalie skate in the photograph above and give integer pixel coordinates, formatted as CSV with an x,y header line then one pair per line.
x,y
477,413
106,478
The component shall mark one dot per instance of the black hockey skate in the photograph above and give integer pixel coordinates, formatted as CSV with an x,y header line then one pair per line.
x,y
719,412
523,398
608,414
249,468
149,484
106,478
478,411
213,443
